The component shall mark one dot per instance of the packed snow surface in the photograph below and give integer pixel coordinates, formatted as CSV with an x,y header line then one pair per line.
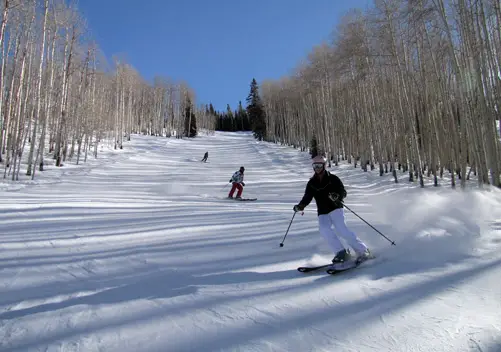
x,y
138,250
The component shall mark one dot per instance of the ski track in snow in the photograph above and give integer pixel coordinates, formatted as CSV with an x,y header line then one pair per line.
x,y
139,251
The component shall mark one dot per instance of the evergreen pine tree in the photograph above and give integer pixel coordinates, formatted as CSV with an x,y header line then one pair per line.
x,y
190,122
255,112
243,119
313,147
230,117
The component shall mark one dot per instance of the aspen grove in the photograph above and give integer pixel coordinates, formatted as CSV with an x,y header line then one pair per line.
x,y
410,85
60,99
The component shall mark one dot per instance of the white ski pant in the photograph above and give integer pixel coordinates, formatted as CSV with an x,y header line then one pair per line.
x,y
336,219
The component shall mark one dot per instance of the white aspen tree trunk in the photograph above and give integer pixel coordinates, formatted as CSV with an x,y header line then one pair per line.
x,y
38,91
16,136
9,114
117,104
26,110
68,54
3,62
460,78
48,106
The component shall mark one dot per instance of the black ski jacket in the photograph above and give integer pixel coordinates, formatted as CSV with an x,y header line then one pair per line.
x,y
321,191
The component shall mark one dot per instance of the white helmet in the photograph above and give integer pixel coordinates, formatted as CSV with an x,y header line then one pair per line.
x,y
318,163
319,160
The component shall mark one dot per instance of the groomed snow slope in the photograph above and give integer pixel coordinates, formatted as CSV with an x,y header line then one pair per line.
x,y
139,251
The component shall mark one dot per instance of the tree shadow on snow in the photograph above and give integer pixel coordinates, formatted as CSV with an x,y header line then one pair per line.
x,y
158,286
148,281
358,313
162,284
494,347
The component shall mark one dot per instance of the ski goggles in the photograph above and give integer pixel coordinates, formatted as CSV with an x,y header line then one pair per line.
x,y
317,166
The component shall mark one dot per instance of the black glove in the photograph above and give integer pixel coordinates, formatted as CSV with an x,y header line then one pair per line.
x,y
243,184
298,207
336,198
229,181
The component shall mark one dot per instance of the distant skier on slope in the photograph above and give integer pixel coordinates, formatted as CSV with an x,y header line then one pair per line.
x,y
206,155
238,183
329,192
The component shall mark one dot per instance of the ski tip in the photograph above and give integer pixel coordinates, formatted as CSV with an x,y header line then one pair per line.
x,y
307,269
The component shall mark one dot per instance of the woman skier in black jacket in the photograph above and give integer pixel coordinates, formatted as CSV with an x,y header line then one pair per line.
x,y
329,192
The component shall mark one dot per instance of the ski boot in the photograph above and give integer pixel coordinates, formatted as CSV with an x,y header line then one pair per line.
x,y
341,256
363,256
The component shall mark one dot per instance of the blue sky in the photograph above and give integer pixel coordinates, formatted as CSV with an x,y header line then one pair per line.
x,y
216,46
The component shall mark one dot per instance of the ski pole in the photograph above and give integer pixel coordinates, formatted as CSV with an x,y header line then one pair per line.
x,y
282,243
392,242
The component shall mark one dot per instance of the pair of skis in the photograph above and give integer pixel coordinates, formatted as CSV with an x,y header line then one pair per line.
x,y
333,269
244,199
